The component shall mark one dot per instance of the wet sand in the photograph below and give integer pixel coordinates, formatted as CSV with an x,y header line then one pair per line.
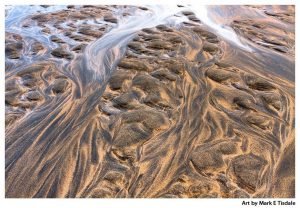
x,y
149,102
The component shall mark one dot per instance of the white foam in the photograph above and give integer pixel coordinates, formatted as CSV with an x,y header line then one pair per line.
x,y
226,32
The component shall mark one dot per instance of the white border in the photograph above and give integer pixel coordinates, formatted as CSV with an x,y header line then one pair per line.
x,y
130,203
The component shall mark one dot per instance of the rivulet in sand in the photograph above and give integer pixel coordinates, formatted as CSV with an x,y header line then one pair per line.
x,y
148,102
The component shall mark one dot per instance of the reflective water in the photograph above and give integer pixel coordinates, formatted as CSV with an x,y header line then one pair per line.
x,y
61,143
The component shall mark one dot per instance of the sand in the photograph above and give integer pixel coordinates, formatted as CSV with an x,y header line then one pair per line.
x,y
94,109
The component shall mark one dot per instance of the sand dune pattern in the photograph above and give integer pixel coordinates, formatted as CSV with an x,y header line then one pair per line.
x,y
168,116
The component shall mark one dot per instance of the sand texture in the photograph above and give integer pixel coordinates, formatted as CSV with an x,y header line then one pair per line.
x,y
140,102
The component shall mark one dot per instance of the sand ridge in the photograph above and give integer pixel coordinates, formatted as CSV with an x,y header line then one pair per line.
x,y
175,112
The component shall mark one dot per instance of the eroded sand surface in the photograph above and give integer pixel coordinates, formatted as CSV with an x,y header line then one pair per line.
x,y
154,101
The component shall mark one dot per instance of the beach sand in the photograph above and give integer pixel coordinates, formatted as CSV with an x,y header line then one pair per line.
x,y
107,102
